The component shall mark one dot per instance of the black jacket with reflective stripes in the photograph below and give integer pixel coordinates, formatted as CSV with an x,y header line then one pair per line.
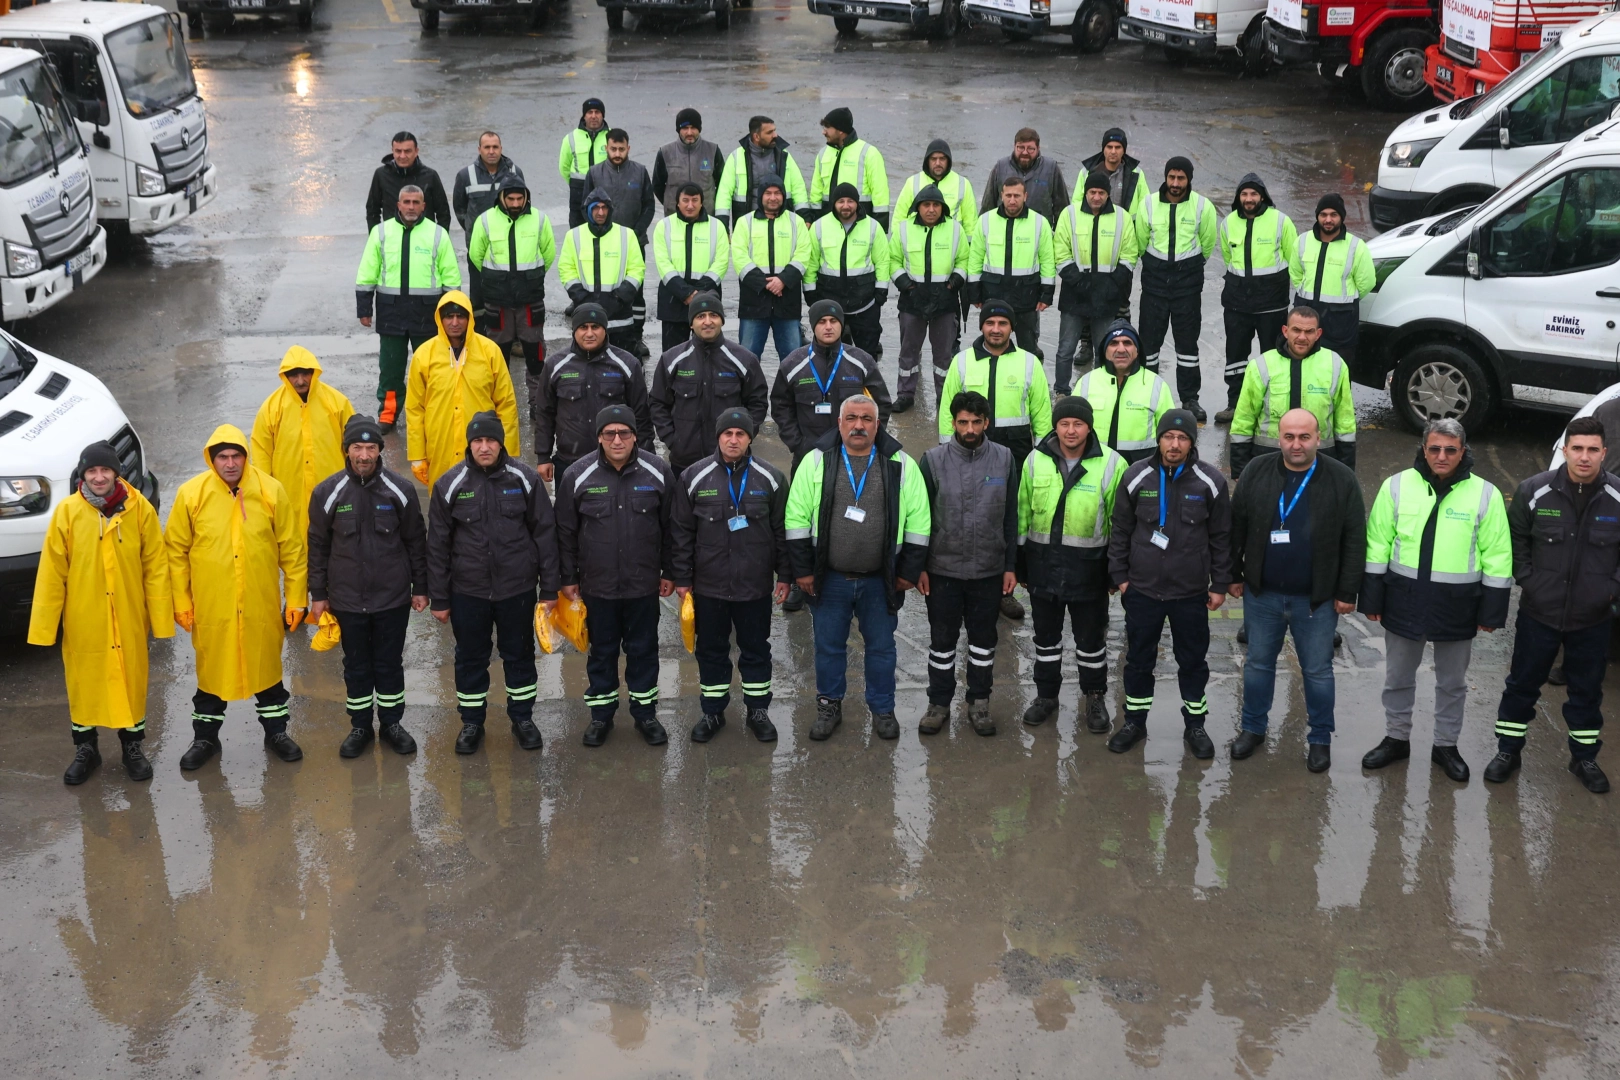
x,y
1567,566
613,526
367,543
716,561
491,533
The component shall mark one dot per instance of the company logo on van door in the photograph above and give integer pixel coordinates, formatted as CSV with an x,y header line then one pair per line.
x,y
1563,327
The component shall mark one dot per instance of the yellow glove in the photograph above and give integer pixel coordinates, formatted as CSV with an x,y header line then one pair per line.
x,y
185,620
294,617
419,470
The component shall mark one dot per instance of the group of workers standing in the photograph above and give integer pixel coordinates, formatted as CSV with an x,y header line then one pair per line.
x,y
1078,496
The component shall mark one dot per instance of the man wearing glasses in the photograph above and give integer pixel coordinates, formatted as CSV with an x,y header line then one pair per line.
x,y
1439,569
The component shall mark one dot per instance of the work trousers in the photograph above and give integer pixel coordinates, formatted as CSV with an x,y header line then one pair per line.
x,y
628,338
1179,316
393,361
1088,620
1341,327
940,333
1401,658
208,711
864,330
1535,646
1242,327
953,602
1269,616
864,597
1027,332
751,335
511,621
630,625
716,619
676,332
1189,637
374,664
1076,330
475,293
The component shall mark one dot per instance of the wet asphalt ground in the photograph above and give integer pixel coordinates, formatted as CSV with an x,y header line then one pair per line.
x,y
1026,905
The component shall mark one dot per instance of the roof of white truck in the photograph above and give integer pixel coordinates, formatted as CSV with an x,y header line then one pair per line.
x,y
65,15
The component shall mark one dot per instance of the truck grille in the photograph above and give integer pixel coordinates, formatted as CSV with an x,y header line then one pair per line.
x,y
1467,54
181,155
57,230
128,448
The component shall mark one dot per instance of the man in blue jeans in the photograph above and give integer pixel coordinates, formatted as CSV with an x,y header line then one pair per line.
x,y
857,532
1299,545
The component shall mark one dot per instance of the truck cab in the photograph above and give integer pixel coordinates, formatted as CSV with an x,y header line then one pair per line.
x,y
1186,28
52,244
128,80
1481,44
1090,24
1376,44
1460,153
1514,305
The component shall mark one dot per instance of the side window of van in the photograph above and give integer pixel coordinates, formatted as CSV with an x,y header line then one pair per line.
x,y
1566,103
1573,223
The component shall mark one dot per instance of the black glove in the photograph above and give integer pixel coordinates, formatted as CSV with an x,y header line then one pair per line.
x,y
955,281
708,284
1072,276
626,292
683,290
904,283
577,293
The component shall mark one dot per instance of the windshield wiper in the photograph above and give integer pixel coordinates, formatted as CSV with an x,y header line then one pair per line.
x,y
50,143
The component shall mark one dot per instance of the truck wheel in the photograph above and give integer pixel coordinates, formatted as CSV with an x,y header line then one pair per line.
x,y
1095,25
428,17
615,18
948,22
722,14
844,25
1435,381
1256,60
194,24
1392,73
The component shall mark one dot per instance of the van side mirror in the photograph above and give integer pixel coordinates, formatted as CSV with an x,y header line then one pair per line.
x,y
92,111
1472,261
1503,135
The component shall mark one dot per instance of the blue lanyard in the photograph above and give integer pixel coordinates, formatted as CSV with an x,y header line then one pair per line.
x,y
826,387
736,493
853,486
1163,484
1282,515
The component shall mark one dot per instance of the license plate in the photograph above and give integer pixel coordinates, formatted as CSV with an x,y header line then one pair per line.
x,y
1155,35
74,265
1274,48
248,3
993,20
193,188
1443,74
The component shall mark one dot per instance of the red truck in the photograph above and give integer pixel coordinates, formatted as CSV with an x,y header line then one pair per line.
x,y
1483,41
1378,45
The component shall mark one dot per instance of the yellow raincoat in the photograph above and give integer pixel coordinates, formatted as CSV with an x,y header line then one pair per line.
x,y
443,393
107,581
299,441
227,553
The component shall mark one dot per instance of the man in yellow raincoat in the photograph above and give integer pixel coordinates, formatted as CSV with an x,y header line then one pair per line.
x,y
104,577
298,434
232,539
453,376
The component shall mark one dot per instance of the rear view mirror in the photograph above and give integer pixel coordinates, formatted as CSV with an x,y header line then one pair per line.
x,y
91,112
1503,135
1472,261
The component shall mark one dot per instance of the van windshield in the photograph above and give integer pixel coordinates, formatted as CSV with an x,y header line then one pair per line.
x,y
1527,74
35,129
153,69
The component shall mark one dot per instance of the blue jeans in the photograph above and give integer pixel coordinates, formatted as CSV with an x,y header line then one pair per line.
x,y
865,598
751,334
1268,616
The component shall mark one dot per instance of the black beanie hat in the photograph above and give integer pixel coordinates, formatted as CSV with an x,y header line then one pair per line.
x,y
704,301
1331,201
593,103
589,313
823,308
734,418
1115,135
486,425
615,414
993,307
361,429
841,119
688,116
100,453
1097,178
1181,163
1178,420
845,190
1073,407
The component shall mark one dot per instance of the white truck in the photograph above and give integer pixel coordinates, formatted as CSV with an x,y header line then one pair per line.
x,y
1188,28
52,244
1091,24
127,79
49,412
1513,303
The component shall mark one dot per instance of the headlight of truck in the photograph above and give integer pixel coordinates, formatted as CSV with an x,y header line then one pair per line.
x,y
1204,21
149,183
1382,268
1040,7
22,260
1409,155
24,495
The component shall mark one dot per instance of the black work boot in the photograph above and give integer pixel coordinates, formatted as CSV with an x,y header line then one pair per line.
x,y
1246,743
708,726
759,722
527,735
829,714
651,730
202,748
281,744
903,403
1502,766
1040,711
1199,742
86,759
795,600
1129,734
398,739
979,716
1450,762
934,718
471,735
1096,714
136,766
1591,777
1387,753
885,725
596,732
1196,409
355,743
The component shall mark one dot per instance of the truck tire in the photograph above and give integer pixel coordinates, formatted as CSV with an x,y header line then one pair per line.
x,y
1095,25
845,25
1392,73
722,15
948,23
1256,60
428,17
1437,380
615,18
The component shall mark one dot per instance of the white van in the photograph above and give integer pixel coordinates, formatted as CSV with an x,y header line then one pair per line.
x,y
52,244
1185,28
126,74
1458,154
1091,24
49,412
1516,303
